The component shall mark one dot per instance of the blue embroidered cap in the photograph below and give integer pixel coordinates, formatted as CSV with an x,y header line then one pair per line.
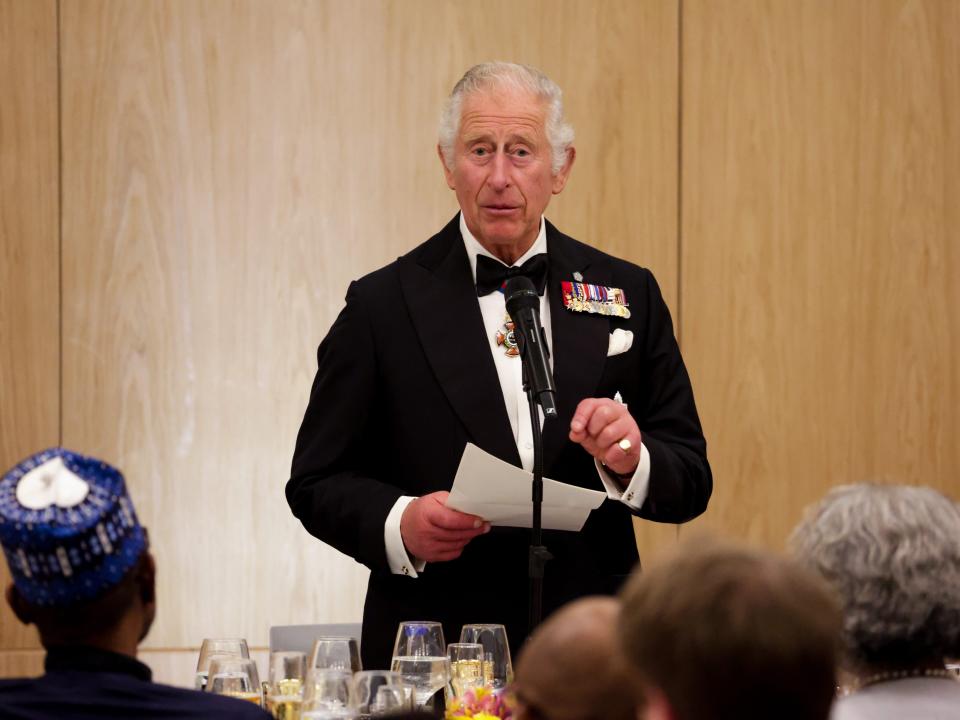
x,y
67,527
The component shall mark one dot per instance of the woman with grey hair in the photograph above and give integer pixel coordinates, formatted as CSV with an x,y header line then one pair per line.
x,y
892,553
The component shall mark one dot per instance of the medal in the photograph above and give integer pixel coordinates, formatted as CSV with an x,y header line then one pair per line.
x,y
597,299
505,337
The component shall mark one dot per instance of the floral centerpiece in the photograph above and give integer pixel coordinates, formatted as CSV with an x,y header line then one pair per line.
x,y
480,704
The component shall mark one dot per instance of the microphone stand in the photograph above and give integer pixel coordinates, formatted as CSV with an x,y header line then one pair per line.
x,y
538,555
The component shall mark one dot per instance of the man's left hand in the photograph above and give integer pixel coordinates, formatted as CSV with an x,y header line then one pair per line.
x,y
599,425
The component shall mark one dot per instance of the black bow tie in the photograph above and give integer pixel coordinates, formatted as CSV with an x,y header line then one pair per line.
x,y
492,274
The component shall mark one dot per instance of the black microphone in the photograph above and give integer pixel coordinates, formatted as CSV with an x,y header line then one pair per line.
x,y
523,305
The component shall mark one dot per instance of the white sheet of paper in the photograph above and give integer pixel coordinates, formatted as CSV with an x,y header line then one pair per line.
x,y
500,493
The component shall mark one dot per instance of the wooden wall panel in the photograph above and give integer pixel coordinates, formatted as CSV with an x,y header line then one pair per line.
x,y
227,169
821,248
29,249
21,663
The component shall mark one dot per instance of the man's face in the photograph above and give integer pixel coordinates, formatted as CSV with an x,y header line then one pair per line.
x,y
501,169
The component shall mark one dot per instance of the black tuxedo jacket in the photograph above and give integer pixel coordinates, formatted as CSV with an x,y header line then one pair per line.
x,y
406,379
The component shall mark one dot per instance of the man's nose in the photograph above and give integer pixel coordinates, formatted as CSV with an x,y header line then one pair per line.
x,y
499,178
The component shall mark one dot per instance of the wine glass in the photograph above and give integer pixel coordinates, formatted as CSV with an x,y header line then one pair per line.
x,y
222,647
419,655
497,667
285,687
366,683
327,689
336,653
235,677
466,667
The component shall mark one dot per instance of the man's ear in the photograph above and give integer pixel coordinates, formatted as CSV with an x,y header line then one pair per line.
x,y
448,174
560,179
21,608
147,579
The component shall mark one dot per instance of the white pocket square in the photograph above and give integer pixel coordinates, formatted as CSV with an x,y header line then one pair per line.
x,y
620,341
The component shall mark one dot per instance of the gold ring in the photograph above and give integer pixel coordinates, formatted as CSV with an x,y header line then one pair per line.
x,y
625,445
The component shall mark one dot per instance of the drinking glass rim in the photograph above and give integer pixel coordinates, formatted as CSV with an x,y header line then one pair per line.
x,y
482,625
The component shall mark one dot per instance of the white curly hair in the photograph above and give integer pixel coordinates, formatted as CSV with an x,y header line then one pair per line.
x,y
892,553
503,74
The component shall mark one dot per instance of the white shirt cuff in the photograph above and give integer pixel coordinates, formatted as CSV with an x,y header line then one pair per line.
x,y
636,492
398,559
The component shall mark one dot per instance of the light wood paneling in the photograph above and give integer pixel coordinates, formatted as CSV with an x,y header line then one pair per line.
x,y
227,169
21,663
29,249
821,248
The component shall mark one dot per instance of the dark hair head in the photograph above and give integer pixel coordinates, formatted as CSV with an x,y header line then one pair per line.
x,y
727,633
87,622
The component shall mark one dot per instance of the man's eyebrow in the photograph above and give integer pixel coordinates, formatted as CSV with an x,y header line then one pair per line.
x,y
478,137
513,138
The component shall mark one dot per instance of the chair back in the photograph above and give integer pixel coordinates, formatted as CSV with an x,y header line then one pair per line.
x,y
300,638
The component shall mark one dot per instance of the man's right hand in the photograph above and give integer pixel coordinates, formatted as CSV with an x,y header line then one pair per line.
x,y
432,532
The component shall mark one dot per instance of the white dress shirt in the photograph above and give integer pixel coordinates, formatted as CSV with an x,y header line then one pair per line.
x,y
509,370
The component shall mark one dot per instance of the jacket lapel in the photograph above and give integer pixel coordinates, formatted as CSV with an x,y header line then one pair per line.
x,y
442,300
580,339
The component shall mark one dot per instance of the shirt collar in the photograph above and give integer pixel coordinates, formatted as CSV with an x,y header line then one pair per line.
x,y
89,659
474,247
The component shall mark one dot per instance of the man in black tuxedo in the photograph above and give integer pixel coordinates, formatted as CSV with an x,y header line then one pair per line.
x,y
420,362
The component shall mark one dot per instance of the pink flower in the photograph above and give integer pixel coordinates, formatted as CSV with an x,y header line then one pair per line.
x,y
480,704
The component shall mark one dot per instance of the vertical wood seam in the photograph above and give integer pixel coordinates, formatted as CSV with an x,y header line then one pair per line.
x,y
59,230
679,322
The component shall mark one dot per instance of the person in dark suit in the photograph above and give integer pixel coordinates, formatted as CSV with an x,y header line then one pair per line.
x,y
421,361
83,574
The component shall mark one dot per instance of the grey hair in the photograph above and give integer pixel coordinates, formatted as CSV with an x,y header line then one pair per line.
x,y
520,77
892,552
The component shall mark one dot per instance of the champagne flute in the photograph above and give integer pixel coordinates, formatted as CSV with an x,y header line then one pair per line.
x,y
336,653
235,677
222,647
419,655
497,667
285,687
466,667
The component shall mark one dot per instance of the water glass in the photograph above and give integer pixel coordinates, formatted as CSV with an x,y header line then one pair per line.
x,y
497,666
466,667
235,677
419,655
392,699
336,653
219,647
366,684
330,714
327,689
